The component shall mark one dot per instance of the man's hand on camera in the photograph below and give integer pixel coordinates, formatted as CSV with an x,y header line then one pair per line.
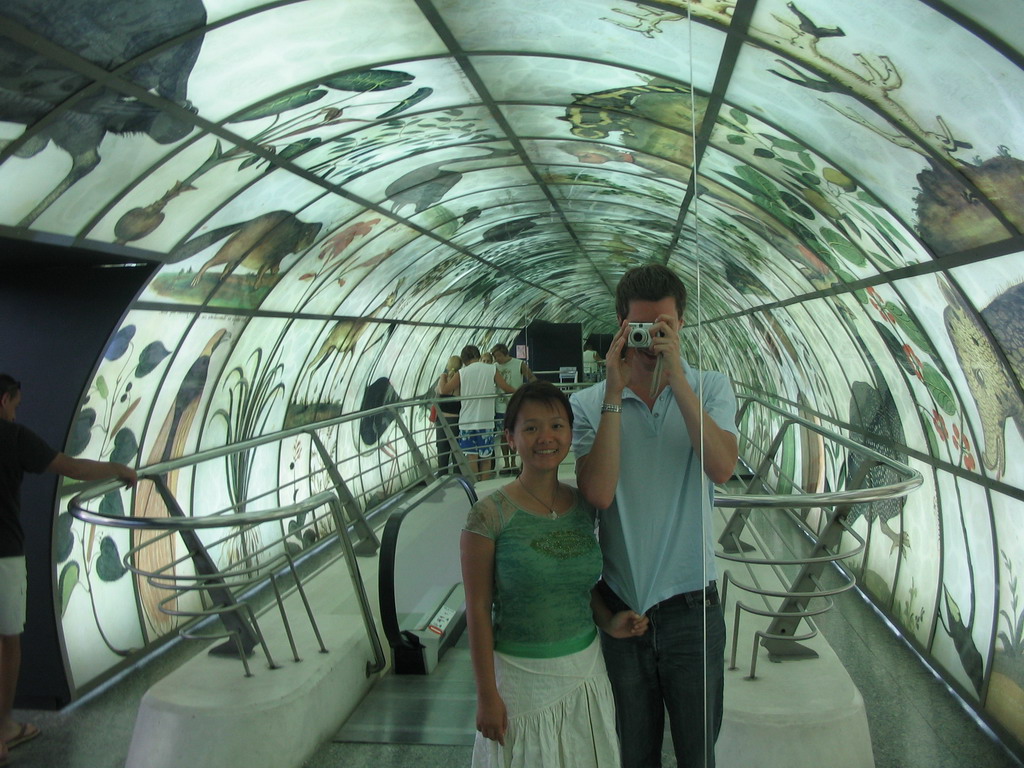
x,y
665,342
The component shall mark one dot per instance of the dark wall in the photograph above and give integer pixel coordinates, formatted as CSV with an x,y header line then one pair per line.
x,y
58,308
553,345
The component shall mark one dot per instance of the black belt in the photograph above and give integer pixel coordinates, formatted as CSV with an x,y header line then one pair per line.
x,y
707,596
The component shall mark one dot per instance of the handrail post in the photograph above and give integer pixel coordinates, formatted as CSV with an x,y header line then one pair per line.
x,y
368,541
215,588
360,589
730,537
414,449
829,538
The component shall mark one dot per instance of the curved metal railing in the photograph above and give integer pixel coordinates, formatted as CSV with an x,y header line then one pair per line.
x,y
341,486
793,602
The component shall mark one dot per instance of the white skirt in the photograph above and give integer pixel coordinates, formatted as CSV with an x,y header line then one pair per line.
x,y
560,713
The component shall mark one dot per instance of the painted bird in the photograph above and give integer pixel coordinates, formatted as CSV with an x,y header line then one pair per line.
x,y
170,443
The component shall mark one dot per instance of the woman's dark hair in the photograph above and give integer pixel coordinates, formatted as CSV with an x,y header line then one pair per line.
x,y
651,282
535,392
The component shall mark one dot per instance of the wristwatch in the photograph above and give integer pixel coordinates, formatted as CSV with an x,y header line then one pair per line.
x,y
610,408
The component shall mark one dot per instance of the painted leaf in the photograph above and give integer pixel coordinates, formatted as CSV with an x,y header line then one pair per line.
x,y
66,584
908,326
298,147
81,432
940,389
64,539
796,205
150,357
842,246
786,144
283,104
101,387
757,181
119,344
111,504
125,446
405,104
370,80
108,565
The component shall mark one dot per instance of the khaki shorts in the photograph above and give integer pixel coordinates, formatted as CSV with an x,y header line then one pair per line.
x,y
13,581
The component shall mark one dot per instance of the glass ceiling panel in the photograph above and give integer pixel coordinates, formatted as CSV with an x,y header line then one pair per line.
x,y
631,36
57,163
812,122
177,193
896,102
576,189
294,50
812,190
1002,20
415,183
366,148
584,155
553,79
913,313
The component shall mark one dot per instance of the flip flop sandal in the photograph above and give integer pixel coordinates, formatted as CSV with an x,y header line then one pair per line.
x,y
26,732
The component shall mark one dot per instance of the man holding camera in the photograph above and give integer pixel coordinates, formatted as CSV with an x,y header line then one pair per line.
x,y
650,441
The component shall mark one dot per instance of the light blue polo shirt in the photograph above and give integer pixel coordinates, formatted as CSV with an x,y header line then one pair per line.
x,y
651,534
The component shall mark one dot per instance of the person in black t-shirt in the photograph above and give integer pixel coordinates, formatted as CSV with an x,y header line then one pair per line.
x,y
21,450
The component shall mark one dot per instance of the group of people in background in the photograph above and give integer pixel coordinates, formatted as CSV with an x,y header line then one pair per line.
x,y
569,631
472,407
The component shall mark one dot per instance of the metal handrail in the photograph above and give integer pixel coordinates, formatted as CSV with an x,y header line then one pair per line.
x,y
912,479
780,636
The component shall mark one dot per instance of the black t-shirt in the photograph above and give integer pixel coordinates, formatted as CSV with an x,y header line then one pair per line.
x,y
21,451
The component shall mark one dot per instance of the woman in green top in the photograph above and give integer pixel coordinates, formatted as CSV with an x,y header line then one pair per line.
x,y
530,561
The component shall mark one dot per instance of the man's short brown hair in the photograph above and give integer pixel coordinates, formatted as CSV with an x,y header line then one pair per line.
x,y
651,282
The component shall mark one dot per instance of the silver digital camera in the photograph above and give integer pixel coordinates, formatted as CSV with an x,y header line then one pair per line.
x,y
639,335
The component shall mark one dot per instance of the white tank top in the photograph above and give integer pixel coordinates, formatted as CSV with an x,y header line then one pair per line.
x,y
477,379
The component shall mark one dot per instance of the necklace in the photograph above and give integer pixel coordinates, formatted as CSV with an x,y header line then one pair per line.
x,y
551,510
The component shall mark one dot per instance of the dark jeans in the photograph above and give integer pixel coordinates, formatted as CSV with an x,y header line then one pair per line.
x,y
444,449
664,669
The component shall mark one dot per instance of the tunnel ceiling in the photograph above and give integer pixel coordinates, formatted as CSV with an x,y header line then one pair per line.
x,y
516,156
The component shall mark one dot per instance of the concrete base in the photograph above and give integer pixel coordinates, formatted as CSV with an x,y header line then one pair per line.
x,y
794,714
798,713
207,713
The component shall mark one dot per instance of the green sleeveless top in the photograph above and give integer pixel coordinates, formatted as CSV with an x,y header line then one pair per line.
x,y
544,570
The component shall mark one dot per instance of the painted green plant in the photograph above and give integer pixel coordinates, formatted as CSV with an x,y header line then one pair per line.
x,y
103,562
905,613
252,389
111,400
1011,622
109,404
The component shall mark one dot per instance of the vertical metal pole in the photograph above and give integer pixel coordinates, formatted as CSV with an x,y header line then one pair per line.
x,y
369,543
